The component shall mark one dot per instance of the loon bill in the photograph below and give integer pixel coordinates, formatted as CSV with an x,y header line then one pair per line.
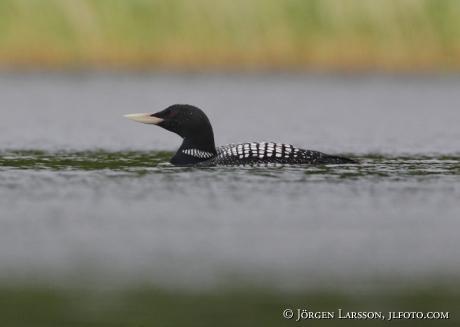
x,y
198,148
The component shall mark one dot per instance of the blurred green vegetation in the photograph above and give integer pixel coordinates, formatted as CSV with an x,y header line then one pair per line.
x,y
84,160
387,35
42,306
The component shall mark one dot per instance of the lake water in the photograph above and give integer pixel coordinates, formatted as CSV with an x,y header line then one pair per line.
x,y
88,197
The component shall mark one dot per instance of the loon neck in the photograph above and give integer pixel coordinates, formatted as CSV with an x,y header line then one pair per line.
x,y
192,152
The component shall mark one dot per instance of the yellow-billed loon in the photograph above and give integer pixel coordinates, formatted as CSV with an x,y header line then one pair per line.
x,y
198,148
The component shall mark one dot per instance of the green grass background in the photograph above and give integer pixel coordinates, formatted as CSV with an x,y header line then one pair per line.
x,y
44,306
324,35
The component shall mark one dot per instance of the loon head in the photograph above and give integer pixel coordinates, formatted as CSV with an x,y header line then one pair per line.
x,y
191,124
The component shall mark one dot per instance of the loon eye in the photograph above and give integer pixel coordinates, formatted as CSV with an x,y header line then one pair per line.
x,y
171,114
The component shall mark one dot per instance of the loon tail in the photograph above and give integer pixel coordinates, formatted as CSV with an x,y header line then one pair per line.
x,y
336,160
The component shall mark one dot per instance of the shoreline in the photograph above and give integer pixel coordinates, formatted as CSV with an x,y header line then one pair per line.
x,y
324,36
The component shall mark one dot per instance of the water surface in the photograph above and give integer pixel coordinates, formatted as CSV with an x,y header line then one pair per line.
x,y
87,196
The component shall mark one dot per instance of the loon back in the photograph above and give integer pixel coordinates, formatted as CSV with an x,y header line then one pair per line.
x,y
251,153
198,148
